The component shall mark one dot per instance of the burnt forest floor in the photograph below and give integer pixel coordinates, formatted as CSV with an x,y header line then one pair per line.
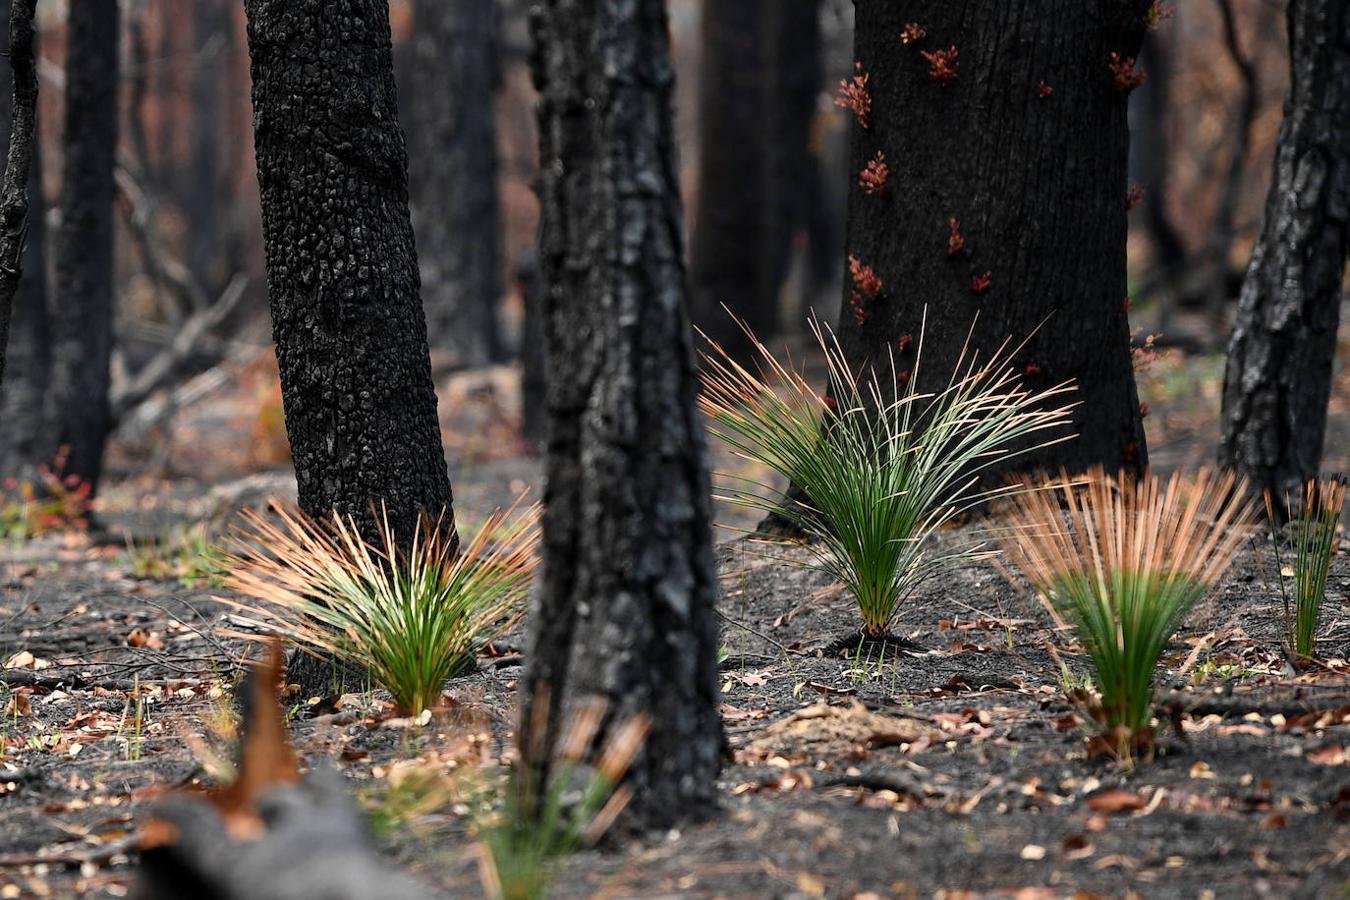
x,y
952,768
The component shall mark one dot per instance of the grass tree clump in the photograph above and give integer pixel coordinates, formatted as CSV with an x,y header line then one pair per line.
x,y
882,465
411,616
1124,561
554,810
1314,526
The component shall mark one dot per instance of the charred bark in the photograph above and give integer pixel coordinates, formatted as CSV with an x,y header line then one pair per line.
x,y
733,231
29,335
625,608
1022,139
342,277
453,74
341,267
83,303
1280,357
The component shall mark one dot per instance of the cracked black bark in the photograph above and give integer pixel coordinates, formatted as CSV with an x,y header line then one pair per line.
x,y
625,607
1280,356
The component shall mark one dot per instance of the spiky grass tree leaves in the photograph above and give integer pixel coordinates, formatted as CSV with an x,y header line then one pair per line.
x,y
1124,562
882,466
1314,541
412,618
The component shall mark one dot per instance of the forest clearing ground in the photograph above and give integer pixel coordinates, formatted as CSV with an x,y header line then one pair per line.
x,y
954,768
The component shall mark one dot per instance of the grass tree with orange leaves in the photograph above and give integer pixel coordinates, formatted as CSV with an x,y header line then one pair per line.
x,y
1124,561
412,616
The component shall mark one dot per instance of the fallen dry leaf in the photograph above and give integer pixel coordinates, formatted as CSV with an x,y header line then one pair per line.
x,y
1116,801
1330,755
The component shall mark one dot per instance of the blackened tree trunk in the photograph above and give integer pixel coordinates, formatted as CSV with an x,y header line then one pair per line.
x,y
1278,378
84,297
1004,135
29,340
342,278
453,75
733,229
212,37
625,609
341,266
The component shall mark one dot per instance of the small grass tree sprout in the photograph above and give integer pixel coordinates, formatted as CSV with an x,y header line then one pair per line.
x,y
883,465
1124,562
1315,521
411,616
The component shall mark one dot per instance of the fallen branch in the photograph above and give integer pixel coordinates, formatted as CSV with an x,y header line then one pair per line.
x,y
157,373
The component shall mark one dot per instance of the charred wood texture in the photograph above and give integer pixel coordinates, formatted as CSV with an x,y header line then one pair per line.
x,y
25,335
625,608
84,297
1280,357
1022,139
341,267
453,74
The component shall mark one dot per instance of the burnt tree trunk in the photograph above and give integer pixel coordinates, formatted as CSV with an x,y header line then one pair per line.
x,y
625,608
29,337
733,231
1280,357
453,74
341,266
84,297
342,278
1022,139
206,202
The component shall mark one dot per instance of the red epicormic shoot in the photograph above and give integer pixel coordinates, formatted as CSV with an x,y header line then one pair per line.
x,y
941,65
1126,74
873,178
912,34
979,284
854,96
955,241
1134,196
867,287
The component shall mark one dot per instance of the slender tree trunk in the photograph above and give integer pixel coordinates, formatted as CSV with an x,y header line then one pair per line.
x,y
453,78
29,350
207,253
733,230
84,296
1280,356
1022,139
14,190
625,609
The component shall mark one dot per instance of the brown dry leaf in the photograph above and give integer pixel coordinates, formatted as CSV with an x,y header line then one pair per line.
x,y
137,637
1077,846
19,705
1202,770
810,885
21,660
1116,801
1329,755
1275,821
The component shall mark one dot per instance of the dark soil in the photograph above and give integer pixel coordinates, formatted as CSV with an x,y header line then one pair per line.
x,y
976,780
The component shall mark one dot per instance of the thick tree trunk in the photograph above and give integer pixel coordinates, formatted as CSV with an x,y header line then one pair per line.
x,y
1280,356
342,276
29,343
341,268
625,609
1025,146
84,297
453,77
